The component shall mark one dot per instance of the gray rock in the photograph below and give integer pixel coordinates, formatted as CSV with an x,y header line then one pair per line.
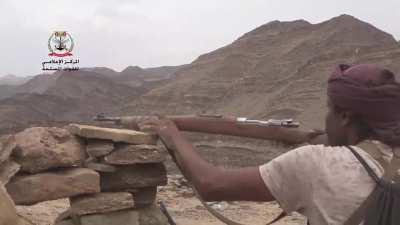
x,y
101,167
31,189
41,148
7,145
101,202
152,215
98,148
144,196
132,154
92,163
7,170
125,217
134,176
116,135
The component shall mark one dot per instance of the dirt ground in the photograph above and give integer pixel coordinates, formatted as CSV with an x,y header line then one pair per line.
x,y
181,204
189,211
184,211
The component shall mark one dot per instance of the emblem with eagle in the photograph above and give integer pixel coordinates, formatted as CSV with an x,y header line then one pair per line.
x,y
60,44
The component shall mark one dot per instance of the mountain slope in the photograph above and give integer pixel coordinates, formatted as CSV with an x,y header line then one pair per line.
x,y
13,80
74,96
65,96
7,91
277,70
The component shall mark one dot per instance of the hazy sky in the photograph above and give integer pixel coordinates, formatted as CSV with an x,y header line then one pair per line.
x,y
148,33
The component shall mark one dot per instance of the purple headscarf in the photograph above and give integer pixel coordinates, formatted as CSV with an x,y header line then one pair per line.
x,y
372,93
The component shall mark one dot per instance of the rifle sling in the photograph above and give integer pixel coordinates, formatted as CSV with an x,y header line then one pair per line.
x,y
358,215
212,211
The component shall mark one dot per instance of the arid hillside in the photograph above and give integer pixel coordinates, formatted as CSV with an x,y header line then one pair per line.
x,y
277,70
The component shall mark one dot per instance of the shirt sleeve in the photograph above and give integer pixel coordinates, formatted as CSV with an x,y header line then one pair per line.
x,y
288,177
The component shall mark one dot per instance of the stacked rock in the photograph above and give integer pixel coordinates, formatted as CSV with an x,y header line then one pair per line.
x,y
109,175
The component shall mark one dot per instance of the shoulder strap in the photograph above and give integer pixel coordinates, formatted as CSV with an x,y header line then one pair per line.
x,y
357,217
359,214
370,171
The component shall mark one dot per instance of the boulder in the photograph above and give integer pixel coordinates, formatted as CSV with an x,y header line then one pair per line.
x,y
41,148
145,196
101,202
100,167
134,176
7,145
7,170
130,154
125,217
8,213
115,135
92,163
152,215
98,148
31,189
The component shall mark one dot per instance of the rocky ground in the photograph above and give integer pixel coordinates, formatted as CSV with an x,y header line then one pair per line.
x,y
178,197
184,208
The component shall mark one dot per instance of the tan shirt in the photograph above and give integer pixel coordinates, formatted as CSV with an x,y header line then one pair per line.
x,y
325,184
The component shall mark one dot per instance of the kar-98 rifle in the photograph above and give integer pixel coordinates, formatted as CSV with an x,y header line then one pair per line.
x,y
286,130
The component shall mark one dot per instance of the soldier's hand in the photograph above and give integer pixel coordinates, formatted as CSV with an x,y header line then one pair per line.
x,y
158,124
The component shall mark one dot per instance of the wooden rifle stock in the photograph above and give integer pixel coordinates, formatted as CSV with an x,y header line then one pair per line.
x,y
226,125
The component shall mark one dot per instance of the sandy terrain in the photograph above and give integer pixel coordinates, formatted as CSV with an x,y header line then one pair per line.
x,y
184,208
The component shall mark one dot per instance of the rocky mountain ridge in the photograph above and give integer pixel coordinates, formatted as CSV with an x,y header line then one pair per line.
x,y
276,70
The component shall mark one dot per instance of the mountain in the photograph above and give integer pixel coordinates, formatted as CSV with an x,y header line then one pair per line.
x,y
136,76
277,70
7,91
8,84
101,70
54,99
13,80
63,96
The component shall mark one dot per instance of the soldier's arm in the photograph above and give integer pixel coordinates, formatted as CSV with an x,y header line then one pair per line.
x,y
229,125
213,183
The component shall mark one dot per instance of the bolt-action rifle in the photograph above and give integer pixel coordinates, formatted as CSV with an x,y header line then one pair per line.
x,y
286,130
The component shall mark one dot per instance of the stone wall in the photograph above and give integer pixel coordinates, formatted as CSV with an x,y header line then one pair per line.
x,y
109,175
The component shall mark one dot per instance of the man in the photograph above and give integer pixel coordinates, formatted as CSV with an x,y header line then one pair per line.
x,y
324,183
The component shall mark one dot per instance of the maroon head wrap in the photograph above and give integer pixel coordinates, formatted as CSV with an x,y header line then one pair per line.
x,y
372,93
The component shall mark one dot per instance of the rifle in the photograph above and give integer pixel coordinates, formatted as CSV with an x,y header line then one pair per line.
x,y
285,130
282,130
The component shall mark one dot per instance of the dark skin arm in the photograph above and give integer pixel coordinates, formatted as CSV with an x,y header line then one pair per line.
x,y
213,183
321,139
228,125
